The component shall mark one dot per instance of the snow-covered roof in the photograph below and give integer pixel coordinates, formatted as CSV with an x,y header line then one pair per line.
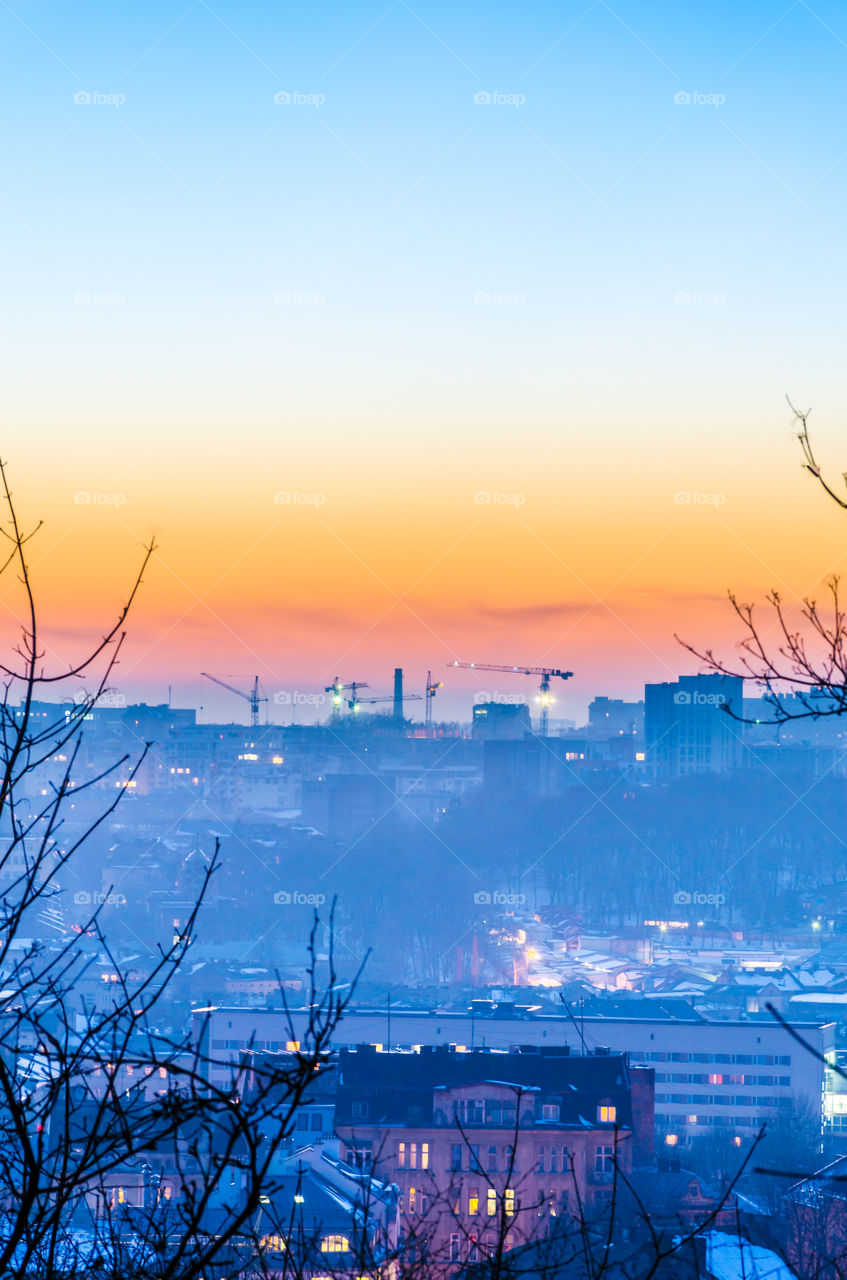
x,y
730,1257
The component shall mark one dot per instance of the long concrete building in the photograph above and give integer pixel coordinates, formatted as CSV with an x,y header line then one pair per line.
x,y
711,1076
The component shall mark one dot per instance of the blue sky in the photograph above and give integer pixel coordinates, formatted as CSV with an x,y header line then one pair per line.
x,y
393,293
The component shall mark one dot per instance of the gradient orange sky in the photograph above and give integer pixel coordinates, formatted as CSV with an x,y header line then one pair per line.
x,y
402,298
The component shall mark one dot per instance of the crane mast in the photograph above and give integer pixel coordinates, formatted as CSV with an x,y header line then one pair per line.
x,y
253,697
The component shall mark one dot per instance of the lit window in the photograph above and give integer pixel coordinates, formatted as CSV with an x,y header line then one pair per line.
x,y
491,1207
671,1139
413,1197
413,1155
335,1244
424,1155
401,1154
510,1201
293,1046
607,1115
473,1202
715,1078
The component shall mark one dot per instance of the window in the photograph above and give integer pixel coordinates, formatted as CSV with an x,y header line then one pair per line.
x,y
716,1078
509,1200
541,1160
412,1201
491,1205
359,1110
473,1201
550,1111
454,1247
604,1160
607,1115
317,1123
456,1157
413,1155
492,1159
401,1155
335,1244
424,1155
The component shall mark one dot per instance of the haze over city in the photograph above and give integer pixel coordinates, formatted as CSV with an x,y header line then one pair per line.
x,y
423,761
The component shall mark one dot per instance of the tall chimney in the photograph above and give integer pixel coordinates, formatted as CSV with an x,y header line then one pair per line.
x,y
398,693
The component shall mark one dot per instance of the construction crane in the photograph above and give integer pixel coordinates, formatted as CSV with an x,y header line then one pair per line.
x,y
390,697
432,688
338,690
546,673
253,697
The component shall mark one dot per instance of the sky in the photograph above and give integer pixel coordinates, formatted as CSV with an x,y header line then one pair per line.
x,y
420,332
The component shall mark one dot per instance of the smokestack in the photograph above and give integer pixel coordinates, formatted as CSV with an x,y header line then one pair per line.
x,y
398,693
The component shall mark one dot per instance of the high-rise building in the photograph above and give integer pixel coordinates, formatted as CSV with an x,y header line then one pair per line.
x,y
687,729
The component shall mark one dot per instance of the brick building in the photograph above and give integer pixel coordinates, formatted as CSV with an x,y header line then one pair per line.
x,y
486,1142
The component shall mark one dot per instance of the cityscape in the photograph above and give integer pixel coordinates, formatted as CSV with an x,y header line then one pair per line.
x,y
423,731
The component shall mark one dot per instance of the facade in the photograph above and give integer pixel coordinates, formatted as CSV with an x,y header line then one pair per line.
x,y
686,730
482,1145
609,717
723,1077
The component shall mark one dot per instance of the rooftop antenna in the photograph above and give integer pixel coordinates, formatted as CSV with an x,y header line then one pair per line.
x,y
579,1029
